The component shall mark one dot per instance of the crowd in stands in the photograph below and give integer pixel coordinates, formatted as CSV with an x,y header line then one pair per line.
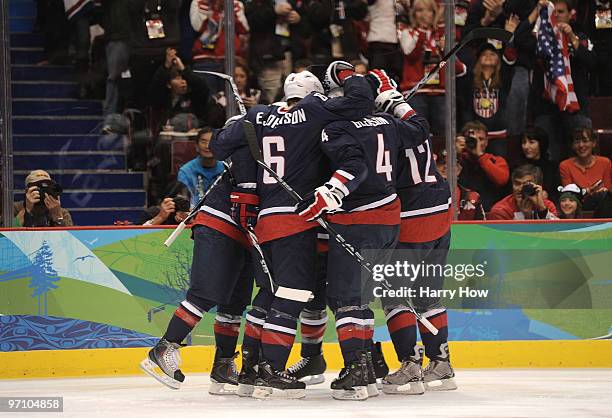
x,y
525,150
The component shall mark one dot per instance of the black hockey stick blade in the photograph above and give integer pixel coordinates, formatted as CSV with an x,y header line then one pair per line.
x,y
488,33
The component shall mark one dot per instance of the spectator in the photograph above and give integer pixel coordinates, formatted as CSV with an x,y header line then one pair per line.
x,y
485,99
277,38
534,147
482,171
154,27
559,118
51,19
198,174
176,90
570,201
41,206
171,211
423,46
116,23
209,48
527,200
360,67
301,65
382,38
242,77
468,205
586,169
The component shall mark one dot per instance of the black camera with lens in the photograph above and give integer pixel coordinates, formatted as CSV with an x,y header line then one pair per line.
x,y
47,187
470,140
528,190
181,204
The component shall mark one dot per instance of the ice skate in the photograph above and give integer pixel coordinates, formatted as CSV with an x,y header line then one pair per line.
x,y
352,383
248,373
408,380
162,363
372,387
309,370
439,375
272,383
380,365
223,376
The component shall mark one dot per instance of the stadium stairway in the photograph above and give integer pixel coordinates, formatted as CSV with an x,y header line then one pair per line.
x,y
54,131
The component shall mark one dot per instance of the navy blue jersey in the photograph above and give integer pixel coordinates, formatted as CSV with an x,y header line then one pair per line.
x,y
289,141
425,196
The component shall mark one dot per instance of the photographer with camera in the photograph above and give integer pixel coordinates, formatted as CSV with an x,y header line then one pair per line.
x,y
171,211
527,200
41,206
482,171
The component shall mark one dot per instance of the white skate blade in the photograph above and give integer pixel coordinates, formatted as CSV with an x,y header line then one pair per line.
x,y
217,388
245,391
372,390
359,393
150,367
266,392
412,388
314,379
442,384
298,295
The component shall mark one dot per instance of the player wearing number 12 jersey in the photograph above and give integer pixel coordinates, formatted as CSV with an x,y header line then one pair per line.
x,y
289,139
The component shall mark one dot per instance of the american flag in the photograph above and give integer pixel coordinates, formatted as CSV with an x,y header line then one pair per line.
x,y
553,48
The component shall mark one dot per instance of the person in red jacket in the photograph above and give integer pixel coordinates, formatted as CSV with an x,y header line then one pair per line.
x,y
482,171
423,46
587,170
527,199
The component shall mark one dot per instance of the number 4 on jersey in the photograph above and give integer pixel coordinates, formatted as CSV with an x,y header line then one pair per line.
x,y
383,159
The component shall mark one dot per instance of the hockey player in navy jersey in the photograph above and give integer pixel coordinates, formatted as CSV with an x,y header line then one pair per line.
x,y
289,138
425,231
365,210
218,242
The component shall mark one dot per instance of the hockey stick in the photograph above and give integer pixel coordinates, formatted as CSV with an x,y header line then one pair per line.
x,y
251,137
232,83
168,242
298,295
478,33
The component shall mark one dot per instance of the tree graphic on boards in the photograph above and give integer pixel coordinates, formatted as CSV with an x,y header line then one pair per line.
x,y
44,276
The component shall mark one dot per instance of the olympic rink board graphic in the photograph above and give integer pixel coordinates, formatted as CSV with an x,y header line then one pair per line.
x,y
99,288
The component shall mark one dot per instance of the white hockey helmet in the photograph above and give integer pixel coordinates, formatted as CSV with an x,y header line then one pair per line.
x,y
299,85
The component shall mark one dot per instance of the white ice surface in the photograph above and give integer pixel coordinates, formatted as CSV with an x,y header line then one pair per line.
x,y
481,393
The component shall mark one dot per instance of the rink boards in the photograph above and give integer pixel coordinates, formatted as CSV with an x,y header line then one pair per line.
x,y
88,301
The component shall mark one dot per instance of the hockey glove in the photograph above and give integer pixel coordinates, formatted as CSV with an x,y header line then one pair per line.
x,y
393,102
325,198
380,81
244,207
335,75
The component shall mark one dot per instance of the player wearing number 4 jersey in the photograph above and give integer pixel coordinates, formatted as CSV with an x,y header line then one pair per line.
x,y
425,231
363,207
289,139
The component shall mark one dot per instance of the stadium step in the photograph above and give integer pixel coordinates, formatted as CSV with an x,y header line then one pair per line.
x,y
31,55
29,143
75,199
30,72
22,8
88,179
56,107
23,125
21,24
26,39
45,89
93,160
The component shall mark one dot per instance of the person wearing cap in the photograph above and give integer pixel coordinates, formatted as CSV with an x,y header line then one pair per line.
x,y
485,97
37,212
570,201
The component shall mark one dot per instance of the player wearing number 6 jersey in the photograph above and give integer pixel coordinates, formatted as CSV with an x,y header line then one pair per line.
x,y
425,231
289,138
